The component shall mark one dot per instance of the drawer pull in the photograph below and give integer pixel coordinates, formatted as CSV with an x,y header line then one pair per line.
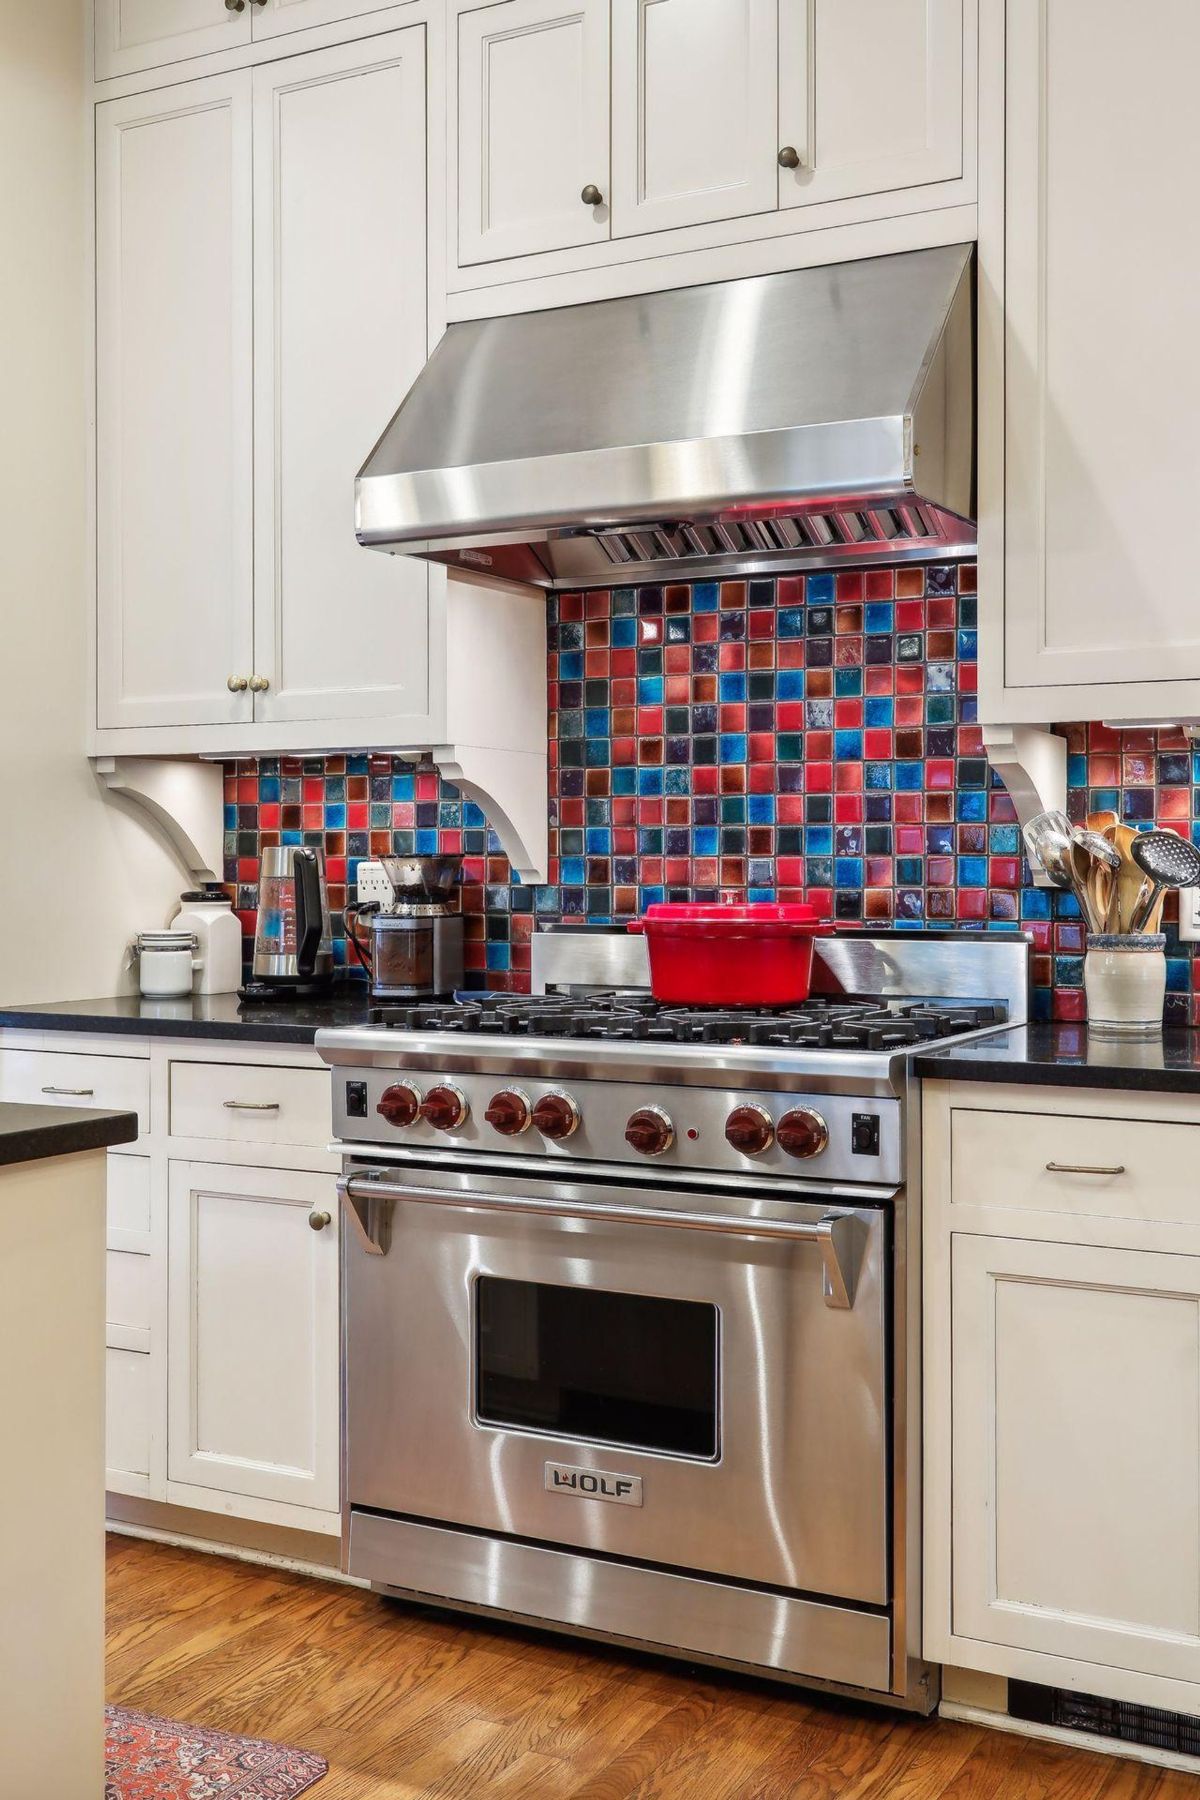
x,y
72,1093
250,1105
1057,1168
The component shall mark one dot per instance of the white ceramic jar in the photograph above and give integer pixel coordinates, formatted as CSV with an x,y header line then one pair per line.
x,y
209,915
1125,979
165,962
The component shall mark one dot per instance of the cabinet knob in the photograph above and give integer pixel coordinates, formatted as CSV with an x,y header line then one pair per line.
x,y
790,157
235,5
319,1220
259,684
237,684
591,195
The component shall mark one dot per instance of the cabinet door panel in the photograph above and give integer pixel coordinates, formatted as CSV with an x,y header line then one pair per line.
x,y
694,111
273,18
129,1389
253,1333
870,95
340,311
1100,404
533,121
144,34
1076,1449
174,425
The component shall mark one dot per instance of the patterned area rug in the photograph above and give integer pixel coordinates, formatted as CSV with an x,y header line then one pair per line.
x,y
158,1759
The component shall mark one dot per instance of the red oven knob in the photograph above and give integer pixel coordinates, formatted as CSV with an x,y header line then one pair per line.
x,y
508,1112
556,1116
750,1129
802,1132
400,1104
650,1131
445,1108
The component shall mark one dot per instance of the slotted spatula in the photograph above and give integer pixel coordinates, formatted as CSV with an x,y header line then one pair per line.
x,y
1170,862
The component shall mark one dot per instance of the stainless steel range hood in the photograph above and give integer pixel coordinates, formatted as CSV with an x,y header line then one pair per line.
x,y
823,417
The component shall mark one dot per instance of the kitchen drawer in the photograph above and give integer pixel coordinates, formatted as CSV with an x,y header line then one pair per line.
x,y
129,1407
1106,1168
129,1299
243,1103
130,1203
61,1078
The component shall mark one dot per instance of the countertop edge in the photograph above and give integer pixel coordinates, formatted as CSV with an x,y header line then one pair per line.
x,y
15,1018
34,1133
961,1066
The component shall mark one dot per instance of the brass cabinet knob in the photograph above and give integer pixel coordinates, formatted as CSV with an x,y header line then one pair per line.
x,y
591,195
259,684
237,684
790,157
319,1220
235,5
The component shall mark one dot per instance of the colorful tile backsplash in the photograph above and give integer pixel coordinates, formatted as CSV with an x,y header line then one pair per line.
x,y
801,737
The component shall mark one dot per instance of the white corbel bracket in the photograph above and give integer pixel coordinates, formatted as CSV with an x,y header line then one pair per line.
x,y
1031,761
511,788
183,799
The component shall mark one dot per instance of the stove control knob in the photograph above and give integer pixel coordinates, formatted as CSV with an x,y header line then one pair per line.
x,y
802,1132
556,1117
445,1108
400,1104
650,1131
508,1112
750,1129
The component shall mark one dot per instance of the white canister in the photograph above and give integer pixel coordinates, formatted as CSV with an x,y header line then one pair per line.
x,y
1125,977
165,962
208,913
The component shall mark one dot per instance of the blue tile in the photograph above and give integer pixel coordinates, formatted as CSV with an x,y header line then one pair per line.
x,y
790,622
705,597
972,807
571,871
789,684
596,722
910,870
1077,771
968,646
335,818
818,871
404,787
268,790
649,781
761,809
624,637
877,776
972,871
1004,840
733,746
818,840
704,840
499,956
570,664
878,616
879,710
732,685
847,746
624,781
1179,974
1035,903
818,590
427,843
598,841
847,683
650,690
910,777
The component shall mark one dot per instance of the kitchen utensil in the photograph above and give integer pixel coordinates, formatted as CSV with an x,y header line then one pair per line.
x,y
1129,877
1050,842
208,913
293,955
760,954
1101,821
416,954
1170,862
1125,979
165,963
1102,866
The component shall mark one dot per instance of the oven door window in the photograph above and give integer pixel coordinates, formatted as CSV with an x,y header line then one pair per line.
x,y
609,1368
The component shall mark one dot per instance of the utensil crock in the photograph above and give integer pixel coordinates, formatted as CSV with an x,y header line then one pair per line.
x,y
1125,978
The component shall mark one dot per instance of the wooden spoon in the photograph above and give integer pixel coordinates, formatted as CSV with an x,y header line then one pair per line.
x,y
1129,880
1102,821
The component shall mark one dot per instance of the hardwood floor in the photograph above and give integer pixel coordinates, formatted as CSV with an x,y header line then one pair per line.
x,y
415,1705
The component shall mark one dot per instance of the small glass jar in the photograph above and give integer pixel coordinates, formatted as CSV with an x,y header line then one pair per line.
x,y
1125,978
165,962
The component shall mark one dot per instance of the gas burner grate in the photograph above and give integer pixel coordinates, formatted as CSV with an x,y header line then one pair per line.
x,y
819,1024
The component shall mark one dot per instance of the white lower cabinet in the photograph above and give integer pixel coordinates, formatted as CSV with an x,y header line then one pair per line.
x,y
1076,1452
135,1351
253,1332
1062,1390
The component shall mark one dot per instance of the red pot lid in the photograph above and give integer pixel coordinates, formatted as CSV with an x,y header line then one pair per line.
x,y
712,912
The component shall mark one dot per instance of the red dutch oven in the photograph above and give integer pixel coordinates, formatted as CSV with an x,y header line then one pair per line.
x,y
706,954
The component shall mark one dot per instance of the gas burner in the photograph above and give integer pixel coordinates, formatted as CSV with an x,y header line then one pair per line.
x,y
822,1023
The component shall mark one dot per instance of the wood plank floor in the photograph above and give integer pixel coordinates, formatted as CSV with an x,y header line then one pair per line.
x,y
406,1703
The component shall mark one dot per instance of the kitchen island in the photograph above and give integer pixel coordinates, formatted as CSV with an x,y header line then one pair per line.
x,y
52,1228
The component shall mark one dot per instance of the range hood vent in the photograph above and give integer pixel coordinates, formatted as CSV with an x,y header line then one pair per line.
x,y
808,420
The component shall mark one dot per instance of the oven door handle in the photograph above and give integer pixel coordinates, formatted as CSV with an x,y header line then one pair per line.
x,y
840,1235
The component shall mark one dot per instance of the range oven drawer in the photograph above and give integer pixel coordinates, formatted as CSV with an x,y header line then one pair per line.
x,y
783,1633
626,1372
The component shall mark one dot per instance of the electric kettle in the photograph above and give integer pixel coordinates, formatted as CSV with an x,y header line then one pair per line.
x,y
292,950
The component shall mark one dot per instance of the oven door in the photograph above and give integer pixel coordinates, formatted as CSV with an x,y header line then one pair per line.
x,y
681,1378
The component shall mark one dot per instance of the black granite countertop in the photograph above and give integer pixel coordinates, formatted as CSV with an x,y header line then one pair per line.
x,y
1066,1056
202,1016
28,1133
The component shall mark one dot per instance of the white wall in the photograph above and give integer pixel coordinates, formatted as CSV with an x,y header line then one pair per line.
x,y
78,876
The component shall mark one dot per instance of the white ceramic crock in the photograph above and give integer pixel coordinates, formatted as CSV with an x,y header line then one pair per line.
x,y
1125,978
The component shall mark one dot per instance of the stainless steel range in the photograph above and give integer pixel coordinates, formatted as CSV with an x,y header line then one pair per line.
x,y
631,1304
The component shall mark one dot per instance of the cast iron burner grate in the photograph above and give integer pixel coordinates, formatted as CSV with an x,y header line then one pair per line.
x,y
819,1024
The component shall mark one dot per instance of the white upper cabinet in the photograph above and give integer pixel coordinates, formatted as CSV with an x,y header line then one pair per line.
x,y
174,426
1094,245
340,333
870,96
533,127
694,111
143,34
272,18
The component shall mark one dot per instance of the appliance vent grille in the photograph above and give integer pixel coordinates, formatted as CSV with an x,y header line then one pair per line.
x,y
1127,1720
904,523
